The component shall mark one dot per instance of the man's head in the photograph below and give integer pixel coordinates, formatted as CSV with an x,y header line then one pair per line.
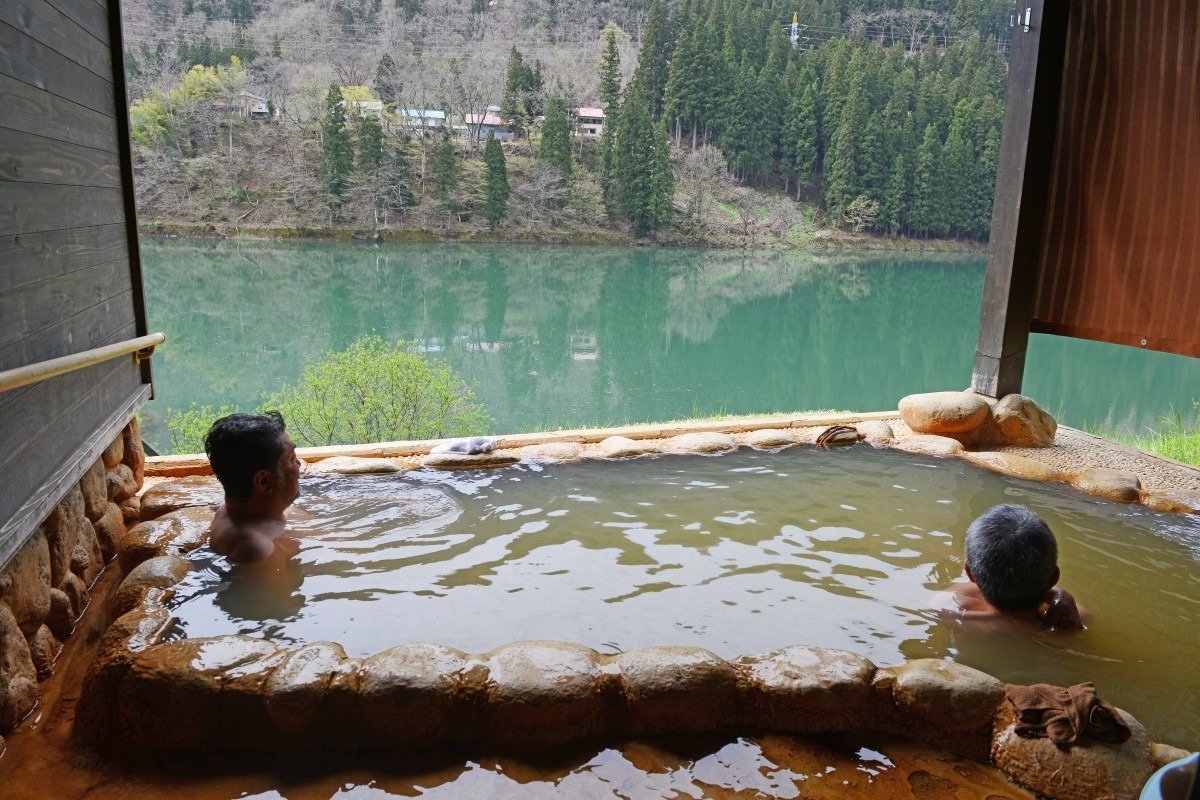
x,y
1012,557
254,459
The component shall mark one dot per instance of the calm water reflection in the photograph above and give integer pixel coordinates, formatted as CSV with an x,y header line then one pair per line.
x,y
557,336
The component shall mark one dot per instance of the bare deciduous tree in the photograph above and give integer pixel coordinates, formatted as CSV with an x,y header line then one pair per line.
x,y
702,175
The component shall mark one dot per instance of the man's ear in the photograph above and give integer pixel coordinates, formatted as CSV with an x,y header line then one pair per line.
x,y
263,481
971,577
1053,580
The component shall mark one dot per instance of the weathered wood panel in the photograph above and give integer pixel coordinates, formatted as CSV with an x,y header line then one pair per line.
x,y
34,159
31,110
1120,259
40,306
82,331
29,208
32,62
87,15
33,257
23,411
33,473
39,20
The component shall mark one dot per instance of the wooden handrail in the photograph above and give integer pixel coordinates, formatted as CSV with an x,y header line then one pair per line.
x,y
142,347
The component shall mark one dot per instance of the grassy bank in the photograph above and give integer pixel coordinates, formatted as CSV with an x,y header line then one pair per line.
x,y
1176,437
818,240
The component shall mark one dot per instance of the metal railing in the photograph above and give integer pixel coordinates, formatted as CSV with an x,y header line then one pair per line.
x,y
141,348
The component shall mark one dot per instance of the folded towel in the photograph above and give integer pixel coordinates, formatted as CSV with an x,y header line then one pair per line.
x,y
473,446
1064,714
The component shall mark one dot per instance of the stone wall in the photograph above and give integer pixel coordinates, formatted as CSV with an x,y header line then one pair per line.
x,y
45,587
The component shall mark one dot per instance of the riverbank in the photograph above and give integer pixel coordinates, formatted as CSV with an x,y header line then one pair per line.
x,y
821,240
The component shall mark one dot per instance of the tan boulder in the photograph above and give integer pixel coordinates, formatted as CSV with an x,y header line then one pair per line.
x,y
702,442
929,445
176,533
195,490
876,432
87,560
1023,423
496,458
808,690
122,484
623,447
296,688
1088,770
110,529
61,530
769,439
171,697
677,690
945,413
1014,465
948,705
61,619
131,510
76,590
161,572
544,693
552,452
409,693
1117,485
134,456
350,465
18,677
94,488
113,454
44,647
26,585
1173,501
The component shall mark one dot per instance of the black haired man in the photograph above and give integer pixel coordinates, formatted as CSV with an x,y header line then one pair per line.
x,y
1012,569
255,461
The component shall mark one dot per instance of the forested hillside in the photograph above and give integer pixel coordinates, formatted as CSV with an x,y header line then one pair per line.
x,y
875,115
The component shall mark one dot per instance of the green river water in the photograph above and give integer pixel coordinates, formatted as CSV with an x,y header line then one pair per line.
x,y
572,336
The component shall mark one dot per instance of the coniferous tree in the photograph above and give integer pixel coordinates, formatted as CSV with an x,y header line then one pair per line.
x,y
654,55
387,80
641,166
370,145
610,73
337,152
800,134
495,182
398,173
443,168
555,148
927,211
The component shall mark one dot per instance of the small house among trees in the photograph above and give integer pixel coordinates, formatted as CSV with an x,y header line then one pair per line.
x,y
590,121
421,121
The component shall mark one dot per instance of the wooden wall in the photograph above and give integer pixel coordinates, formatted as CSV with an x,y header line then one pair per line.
x,y
70,275
1120,257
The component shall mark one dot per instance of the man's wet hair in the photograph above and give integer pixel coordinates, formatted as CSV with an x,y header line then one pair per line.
x,y
1013,557
239,445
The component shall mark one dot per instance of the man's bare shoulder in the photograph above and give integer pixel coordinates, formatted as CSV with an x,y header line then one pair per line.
x,y
245,541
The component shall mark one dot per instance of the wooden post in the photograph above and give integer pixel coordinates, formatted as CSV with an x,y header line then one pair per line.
x,y
1022,187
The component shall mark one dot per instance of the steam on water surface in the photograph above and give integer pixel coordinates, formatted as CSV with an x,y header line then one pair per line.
x,y
739,554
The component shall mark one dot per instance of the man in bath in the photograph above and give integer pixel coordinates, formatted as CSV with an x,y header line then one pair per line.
x,y
1011,570
255,461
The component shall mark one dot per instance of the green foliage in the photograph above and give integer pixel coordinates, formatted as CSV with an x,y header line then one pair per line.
x,y
374,391
524,90
610,73
155,119
654,55
337,153
188,428
555,148
1176,437
495,182
642,181
387,79
443,167
370,146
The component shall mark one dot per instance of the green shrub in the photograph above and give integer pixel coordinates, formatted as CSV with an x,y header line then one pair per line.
x,y
189,427
377,392
1176,437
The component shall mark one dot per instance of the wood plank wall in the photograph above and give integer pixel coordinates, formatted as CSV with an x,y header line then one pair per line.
x,y
1120,259
69,272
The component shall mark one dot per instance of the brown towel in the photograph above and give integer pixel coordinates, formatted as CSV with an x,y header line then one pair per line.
x,y
1063,715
